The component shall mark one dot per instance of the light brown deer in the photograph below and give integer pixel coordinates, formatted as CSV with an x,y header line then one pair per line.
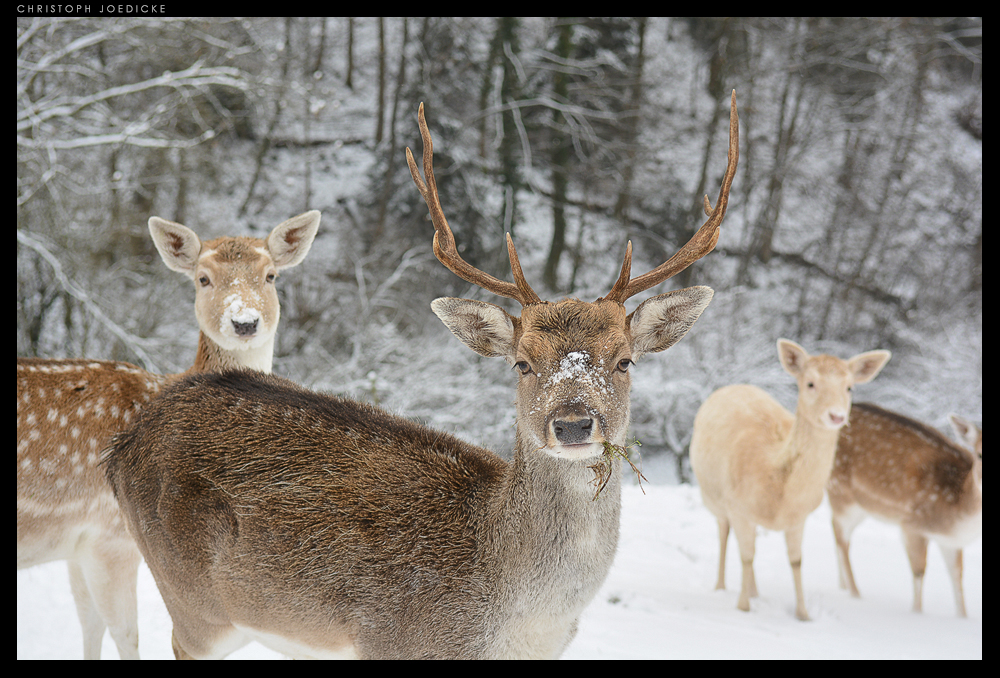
x,y
901,471
67,411
759,464
323,527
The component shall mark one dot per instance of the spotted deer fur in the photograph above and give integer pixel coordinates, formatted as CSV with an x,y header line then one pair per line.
x,y
900,471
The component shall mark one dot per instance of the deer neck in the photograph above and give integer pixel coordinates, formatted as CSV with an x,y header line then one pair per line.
x,y
568,486
550,549
548,506
807,455
213,358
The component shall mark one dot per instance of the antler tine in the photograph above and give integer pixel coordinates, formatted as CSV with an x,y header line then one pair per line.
x,y
623,277
444,240
527,295
704,240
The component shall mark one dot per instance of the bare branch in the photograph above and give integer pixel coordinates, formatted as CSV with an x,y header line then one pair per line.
x,y
74,290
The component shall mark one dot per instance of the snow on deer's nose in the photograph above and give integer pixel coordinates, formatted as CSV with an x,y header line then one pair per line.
x,y
575,387
239,318
575,366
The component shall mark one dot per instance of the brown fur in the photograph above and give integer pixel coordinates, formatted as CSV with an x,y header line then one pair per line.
x,y
900,470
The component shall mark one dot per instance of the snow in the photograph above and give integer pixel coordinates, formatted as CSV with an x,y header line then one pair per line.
x,y
658,601
237,310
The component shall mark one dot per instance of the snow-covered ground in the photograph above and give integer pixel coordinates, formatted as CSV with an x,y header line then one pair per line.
x,y
659,602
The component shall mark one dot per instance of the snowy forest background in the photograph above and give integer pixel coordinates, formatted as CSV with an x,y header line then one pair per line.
x,y
855,219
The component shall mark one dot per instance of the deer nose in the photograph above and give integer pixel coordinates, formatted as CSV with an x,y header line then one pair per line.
x,y
836,418
245,329
573,431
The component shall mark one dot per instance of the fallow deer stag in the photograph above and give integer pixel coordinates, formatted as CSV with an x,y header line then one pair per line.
x,y
322,527
67,411
758,464
901,471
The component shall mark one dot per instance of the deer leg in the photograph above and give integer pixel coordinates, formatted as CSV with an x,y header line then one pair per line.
x,y
92,623
843,526
916,551
195,637
745,538
179,652
953,559
793,540
723,539
110,573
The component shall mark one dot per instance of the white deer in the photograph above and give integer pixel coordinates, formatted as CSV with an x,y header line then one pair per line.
x,y
759,464
67,411
899,470
322,527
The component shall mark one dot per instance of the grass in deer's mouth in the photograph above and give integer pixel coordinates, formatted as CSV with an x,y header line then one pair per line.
x,y
602,469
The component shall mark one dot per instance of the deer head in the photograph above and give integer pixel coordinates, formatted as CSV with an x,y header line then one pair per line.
x,y
572,357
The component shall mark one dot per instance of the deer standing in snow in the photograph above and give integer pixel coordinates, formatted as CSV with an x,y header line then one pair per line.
x,y
901,471
759,464
67,411
322,527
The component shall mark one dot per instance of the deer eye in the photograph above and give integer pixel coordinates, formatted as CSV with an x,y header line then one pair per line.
x,y
204,281
523,367
270,277
623,364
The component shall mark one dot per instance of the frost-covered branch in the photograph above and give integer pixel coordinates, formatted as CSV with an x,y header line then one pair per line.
x,y
197,76
127,137
74,290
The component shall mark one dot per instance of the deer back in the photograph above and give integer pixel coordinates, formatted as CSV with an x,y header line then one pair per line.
x,y
901,470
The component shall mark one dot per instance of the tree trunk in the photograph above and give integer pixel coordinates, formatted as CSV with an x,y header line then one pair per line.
x,y
380,113
349,77
561,146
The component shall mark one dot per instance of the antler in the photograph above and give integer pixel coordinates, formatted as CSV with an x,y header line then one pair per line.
x,y
700,244
444,240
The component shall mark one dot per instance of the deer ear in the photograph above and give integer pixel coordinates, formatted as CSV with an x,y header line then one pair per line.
x,y
966,431
290,240
865,366
659,322
792,356
486,329
178,245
